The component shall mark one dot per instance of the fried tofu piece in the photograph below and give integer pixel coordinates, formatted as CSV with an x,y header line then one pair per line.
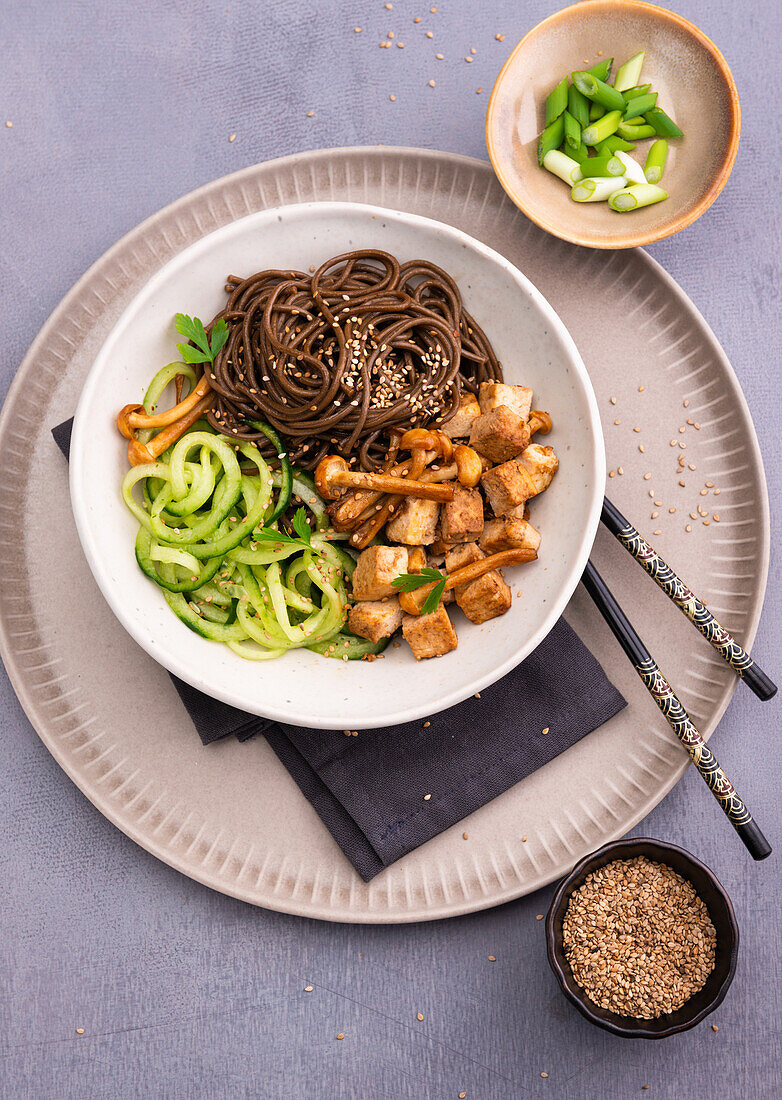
x,y
429,635
499,434
458,427
377,567
518,399
375,619
509,533
464,554
484,598
541,463
415,523
514,482
462,517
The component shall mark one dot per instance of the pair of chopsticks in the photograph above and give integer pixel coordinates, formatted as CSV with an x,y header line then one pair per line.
x,y
656,684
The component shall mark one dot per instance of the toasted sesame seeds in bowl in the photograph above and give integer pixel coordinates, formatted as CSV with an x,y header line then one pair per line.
x,y
642,939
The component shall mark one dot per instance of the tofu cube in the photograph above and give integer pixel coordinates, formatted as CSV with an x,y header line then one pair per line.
x,y
485,598
518,399
415,522
458,427
541,463
507,486
500,434
462,517
375,619
429,635
377,567
508,533
464,554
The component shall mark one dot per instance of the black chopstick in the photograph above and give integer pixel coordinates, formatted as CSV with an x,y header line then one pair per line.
x,y
677,717
687,602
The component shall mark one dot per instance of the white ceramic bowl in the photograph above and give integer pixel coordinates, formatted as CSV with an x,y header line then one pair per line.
x,y
304,688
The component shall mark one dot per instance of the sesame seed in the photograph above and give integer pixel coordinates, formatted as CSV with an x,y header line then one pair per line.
x,y
79,1030
539,916
308,988
465,836
688,528
427,797
357,30
431,84
392,97
341,1035
419,1016
613,400
310,114
232,137
492,959
542,1073
439,56
500,37
545,731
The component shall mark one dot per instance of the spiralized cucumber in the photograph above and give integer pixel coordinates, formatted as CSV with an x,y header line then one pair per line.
x,y
200,516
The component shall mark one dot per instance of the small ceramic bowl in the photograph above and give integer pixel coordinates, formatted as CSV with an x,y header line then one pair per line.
x,y
694,84
720,910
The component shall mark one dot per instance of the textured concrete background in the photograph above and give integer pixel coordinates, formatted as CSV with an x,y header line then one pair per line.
x,y
118,108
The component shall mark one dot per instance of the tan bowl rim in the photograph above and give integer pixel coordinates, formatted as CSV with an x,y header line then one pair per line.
x,y
721,177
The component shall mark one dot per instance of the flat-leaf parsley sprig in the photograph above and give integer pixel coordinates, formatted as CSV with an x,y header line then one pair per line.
x,y
193,329
409,582
300,526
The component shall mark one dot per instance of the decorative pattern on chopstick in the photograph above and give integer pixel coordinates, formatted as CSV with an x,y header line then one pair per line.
x,y
687,602
699,752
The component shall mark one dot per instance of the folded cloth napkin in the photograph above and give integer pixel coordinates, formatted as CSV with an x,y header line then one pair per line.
x,y
386,791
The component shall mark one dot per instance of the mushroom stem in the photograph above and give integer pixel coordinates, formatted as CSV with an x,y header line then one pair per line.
x,y
133,417
539,421
414,601
333,474
139,453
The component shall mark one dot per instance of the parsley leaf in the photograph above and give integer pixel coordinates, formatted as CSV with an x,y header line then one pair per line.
x,y
409,582
301,527
193,329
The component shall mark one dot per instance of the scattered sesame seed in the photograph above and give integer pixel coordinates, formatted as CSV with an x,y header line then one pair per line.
x,y
545,731
539,917
465,836
682,484
431,84
462,1095
478,91
688,528
79,1030
657,532
427,797
714,1027
389,7
400,45
8,123
341,1035
620,470
500,37
542,1073
613,400
310,114
357,30
429,34
641,389
392,97
492,959
308,988
419,1016
417,19
439,56
716,517
477,695
655,515
232,137
524,840
647,476
641,448
612,473
617,421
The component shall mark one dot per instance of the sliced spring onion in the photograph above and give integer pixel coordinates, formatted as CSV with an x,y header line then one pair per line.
x,y
596,110
603,69
655,160
636,196
602,166
560,164
610,145
630,73
635,133
662,124
572,131
640,104
632,169
597,190
556,101
580,154
551,138
598,91
635,120
632,93
603,128
578,105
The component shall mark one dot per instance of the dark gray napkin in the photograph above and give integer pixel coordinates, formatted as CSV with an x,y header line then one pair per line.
x,y
370,790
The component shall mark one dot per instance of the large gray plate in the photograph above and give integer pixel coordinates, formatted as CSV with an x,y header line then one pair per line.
x,y
230,816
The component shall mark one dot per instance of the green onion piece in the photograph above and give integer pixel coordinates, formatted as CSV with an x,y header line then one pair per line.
x,y
633,198
640,89
630,73
655,160
640,104
578,105
632,169
572,131
551,138
597,190
636,120
596,110
662,125
580,154
599,91
633,133
603,128
608,147
560,164
603,69
603,166
556,102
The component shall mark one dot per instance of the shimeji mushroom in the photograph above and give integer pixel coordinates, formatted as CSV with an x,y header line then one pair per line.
x,y
412,602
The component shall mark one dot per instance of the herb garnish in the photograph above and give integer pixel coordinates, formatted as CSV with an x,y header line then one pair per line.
x,y
409,582
193,329
300,526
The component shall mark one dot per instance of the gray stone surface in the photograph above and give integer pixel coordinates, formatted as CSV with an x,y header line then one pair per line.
x,y
117,109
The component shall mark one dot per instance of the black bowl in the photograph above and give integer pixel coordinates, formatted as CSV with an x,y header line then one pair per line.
x,y
720,910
